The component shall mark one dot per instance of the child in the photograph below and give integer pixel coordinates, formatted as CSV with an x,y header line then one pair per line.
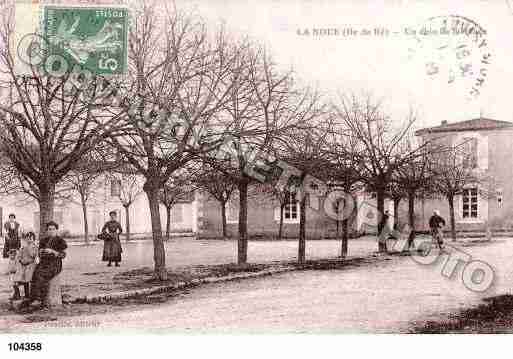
x,y
11,270
25,264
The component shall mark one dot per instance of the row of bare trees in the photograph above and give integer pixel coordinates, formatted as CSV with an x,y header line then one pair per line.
x,y
197,101
186,91
351,145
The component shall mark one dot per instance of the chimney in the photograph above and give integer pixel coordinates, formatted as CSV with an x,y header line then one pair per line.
x,y
444,122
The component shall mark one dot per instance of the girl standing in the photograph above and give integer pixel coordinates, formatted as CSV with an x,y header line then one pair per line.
x,y
112,246
25,264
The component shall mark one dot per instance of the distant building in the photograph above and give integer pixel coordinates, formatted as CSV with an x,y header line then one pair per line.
x,y
69,214
264,216
490,142
491,147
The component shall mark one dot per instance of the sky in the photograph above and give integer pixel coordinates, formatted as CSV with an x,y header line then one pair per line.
x,y
392,68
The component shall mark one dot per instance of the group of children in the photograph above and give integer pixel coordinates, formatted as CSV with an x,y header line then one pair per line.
x,y
21,265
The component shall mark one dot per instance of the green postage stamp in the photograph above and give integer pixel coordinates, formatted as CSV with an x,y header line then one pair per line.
x,y
95,38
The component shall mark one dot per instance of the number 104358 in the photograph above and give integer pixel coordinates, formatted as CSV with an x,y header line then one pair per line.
x,y
15,347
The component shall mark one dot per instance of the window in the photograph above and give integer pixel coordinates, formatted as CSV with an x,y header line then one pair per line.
x,y
58,218
232,211
470,150
115,188
291,210
177,213
470,203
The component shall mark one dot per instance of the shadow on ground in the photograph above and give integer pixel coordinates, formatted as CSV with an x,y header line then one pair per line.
x,y
143,278
495,316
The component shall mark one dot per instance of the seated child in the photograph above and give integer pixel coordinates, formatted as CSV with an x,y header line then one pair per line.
x,y
25,264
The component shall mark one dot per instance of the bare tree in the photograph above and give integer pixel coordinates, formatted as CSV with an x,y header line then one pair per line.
x,y
45,125
413,178
81,181
305,151
378,145
129,185
178,189
396,193
263,105
218,186
343,175
282,195
453,176
280,192
177,86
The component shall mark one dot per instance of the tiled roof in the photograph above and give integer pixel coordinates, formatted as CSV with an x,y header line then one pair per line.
x,y
469,125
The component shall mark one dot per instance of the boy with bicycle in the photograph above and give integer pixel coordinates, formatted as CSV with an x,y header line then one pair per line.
x,y
436,222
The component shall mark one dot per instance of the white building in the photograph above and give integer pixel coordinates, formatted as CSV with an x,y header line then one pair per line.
x,y
69,215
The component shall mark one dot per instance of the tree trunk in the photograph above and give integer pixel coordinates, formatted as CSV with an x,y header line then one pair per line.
x,y
86,225
159,253
127,216
397,201
411,218
380,194
345,230
223,217
301,251
242,243
280,230
46,207
168,222
450,199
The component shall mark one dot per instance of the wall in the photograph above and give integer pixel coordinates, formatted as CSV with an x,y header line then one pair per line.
x,y
263,220
495,152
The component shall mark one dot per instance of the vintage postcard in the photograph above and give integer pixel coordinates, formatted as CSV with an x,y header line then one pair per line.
x,y
255,167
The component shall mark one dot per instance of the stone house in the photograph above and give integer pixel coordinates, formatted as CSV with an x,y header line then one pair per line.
x,y
264,216
477,207
489,202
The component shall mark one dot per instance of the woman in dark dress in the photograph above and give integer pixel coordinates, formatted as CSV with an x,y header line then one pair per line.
x,y
112,246
51,252
12,235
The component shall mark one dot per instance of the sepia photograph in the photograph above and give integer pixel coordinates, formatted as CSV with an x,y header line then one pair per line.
x,y
264,167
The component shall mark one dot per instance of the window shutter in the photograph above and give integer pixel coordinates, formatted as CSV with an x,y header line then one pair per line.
x,y
115,188
277,213
473,151
177,213
232,212
58,217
